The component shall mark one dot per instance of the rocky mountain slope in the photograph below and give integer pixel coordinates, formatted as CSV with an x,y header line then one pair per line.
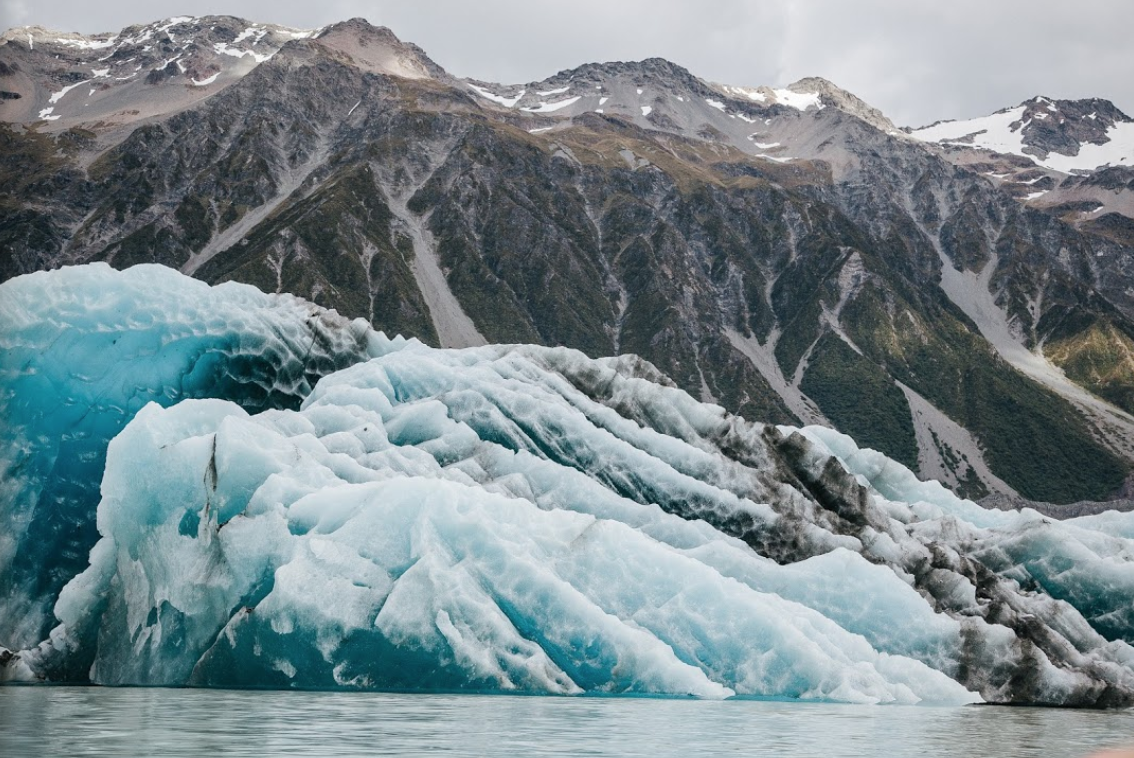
x,y
787,253
1071,158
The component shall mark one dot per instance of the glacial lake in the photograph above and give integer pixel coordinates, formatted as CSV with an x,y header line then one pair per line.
x,y
93,721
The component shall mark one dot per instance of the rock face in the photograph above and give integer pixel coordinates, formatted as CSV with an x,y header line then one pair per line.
x,y
504,518
784,252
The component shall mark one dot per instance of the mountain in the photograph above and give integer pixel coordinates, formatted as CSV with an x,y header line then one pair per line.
x,y
785,252
1071,158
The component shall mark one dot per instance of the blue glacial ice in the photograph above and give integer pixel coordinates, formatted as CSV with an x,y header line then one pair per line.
x,y
517,518
81,351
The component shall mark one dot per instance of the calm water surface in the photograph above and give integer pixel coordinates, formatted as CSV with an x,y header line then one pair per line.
x,y
85,721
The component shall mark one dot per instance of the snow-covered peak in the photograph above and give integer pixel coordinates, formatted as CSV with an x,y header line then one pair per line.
x,y
143,71
175,33
654,94
1062,135
812,92
778,124
837,97
790,96
137,72
626,86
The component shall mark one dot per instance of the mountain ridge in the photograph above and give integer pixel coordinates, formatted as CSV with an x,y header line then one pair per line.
x,y
759,251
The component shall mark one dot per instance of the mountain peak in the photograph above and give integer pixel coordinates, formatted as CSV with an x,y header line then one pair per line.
x,y
837,97
658,70
812,92
138,72
1068,136
377,49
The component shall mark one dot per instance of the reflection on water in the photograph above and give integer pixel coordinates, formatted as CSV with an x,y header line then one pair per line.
x,y
50,721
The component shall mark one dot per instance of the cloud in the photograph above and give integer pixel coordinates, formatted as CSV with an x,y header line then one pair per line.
x,y
13,13
512,41
922,62
917,61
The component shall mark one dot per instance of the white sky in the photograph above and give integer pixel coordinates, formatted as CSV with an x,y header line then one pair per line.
x,y
917,60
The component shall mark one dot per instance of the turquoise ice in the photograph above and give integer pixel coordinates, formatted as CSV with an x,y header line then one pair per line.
x,y
81,351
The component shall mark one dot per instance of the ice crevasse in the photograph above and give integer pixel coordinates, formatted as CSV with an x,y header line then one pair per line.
x,y
502,518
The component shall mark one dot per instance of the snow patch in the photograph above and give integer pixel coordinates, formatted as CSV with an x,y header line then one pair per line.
x,y
223,49
174,21
550,107
301,33
57,96
558,91
249,33
754,95
507,102
797,100
85,44
206,81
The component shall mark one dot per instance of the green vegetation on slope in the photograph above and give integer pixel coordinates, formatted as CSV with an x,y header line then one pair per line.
x,y
860,398
1032,438
1100,358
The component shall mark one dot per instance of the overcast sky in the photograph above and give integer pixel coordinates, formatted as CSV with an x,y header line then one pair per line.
x,y
917,60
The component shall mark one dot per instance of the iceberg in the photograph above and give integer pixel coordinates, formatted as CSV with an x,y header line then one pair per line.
x,y
81,351
506,519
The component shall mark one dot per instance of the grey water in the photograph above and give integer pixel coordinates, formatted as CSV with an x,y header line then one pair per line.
x,y
94,721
